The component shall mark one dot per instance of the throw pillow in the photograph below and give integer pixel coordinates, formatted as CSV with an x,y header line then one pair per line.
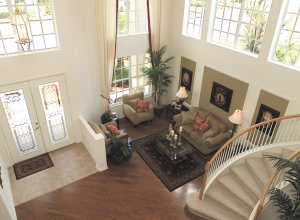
x,y
198,122
133,104
204,127
112,129
142,105
188,117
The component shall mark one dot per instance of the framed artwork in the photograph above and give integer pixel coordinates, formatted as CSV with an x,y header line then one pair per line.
x,y
266,113
186,78
177,106
220,96
173,101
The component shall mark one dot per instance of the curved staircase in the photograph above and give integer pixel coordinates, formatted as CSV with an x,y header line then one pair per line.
x,y
236,176
234,194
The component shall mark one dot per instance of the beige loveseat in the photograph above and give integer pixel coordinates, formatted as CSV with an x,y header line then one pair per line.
x,y
101,128
211,140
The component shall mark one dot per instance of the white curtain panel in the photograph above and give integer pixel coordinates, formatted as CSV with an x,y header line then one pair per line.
x,y
155,10
106,29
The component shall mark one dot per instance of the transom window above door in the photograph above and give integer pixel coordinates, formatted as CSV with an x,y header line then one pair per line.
x,y
40,27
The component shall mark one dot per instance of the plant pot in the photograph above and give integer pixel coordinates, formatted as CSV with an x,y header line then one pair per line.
x,y
158,109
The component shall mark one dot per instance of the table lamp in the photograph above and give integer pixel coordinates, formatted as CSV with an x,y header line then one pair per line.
x,y
181,94
236,119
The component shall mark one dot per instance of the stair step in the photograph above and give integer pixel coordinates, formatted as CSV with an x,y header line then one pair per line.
x,y
270,163
224,197
258,169
243,174
285,153
230,183
209,209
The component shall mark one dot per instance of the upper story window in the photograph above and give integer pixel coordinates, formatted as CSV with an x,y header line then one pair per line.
x,y
40,26
241,24
128,77
194,20
132,17
288,43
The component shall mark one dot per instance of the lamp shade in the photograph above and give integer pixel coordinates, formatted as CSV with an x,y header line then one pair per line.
x,y
182,93
236,118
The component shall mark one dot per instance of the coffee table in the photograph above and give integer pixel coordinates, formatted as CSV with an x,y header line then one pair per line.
x,y
173,156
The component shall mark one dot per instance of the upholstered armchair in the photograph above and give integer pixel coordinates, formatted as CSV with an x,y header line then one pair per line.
x,y
101,128
130,107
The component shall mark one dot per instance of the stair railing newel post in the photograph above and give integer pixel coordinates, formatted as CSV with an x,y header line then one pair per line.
x,y
207,166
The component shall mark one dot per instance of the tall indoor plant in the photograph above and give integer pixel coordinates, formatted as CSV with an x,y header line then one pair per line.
x,y
156,74
288,203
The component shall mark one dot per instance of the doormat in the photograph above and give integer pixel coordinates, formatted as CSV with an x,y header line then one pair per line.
x,y
172,176
32,165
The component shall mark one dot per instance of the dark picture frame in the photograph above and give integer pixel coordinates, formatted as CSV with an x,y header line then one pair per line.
x,y
266,113
186,78
221,96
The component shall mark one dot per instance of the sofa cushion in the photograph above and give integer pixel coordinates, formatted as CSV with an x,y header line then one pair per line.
x,y
204,127
202,113
142,105
188,117
105,131
223,127
198,122
96,129
112,129
187,129
196,137
211,132
214,122
133,104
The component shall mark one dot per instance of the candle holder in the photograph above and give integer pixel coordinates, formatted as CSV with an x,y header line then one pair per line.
x,y
171,140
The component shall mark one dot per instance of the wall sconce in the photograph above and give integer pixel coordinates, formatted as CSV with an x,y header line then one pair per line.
x,y
236,119
20,21
181,94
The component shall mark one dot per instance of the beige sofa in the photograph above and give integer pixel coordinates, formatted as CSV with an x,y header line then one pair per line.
x,y
217,134
101,128
130,105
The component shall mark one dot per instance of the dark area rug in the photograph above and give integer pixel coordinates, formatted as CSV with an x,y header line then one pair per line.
x,y
172,176
32,165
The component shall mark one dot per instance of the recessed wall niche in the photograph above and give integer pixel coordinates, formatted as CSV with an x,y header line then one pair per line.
x,y
239,92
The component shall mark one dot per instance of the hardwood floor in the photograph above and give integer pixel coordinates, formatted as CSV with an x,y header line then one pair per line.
x,y
126,191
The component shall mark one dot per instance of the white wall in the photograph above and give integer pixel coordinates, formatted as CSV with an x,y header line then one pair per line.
x,y
258,72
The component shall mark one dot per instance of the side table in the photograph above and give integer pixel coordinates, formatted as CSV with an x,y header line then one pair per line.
x,y
174,111
116,119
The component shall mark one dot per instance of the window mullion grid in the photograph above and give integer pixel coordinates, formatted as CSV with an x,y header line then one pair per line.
x,y
41,23
188,17
127,16
2,41
221,20
237,33
230,20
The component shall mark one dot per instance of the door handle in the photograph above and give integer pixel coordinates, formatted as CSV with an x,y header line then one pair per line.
x,y
37,127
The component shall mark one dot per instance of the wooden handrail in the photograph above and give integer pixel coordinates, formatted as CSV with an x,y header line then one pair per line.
x,y
207,167
267,186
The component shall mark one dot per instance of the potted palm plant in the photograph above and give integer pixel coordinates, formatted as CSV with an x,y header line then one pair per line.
x,y
157,75
287,202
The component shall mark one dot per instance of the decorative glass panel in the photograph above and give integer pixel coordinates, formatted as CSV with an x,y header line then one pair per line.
x,y
54,112
18,118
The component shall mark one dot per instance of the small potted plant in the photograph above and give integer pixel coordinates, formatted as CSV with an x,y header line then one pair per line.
x,y
106,116
119,151
157,76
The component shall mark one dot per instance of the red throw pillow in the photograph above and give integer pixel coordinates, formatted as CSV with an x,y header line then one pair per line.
x,y
204,127
112,129
142,105
197,123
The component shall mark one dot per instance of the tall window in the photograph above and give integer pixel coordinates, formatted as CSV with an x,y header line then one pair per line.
x,y
128,77
288,43
195,18
132,17
241,24
41,25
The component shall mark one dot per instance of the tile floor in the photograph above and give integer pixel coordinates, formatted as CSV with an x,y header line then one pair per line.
x,y
71,163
